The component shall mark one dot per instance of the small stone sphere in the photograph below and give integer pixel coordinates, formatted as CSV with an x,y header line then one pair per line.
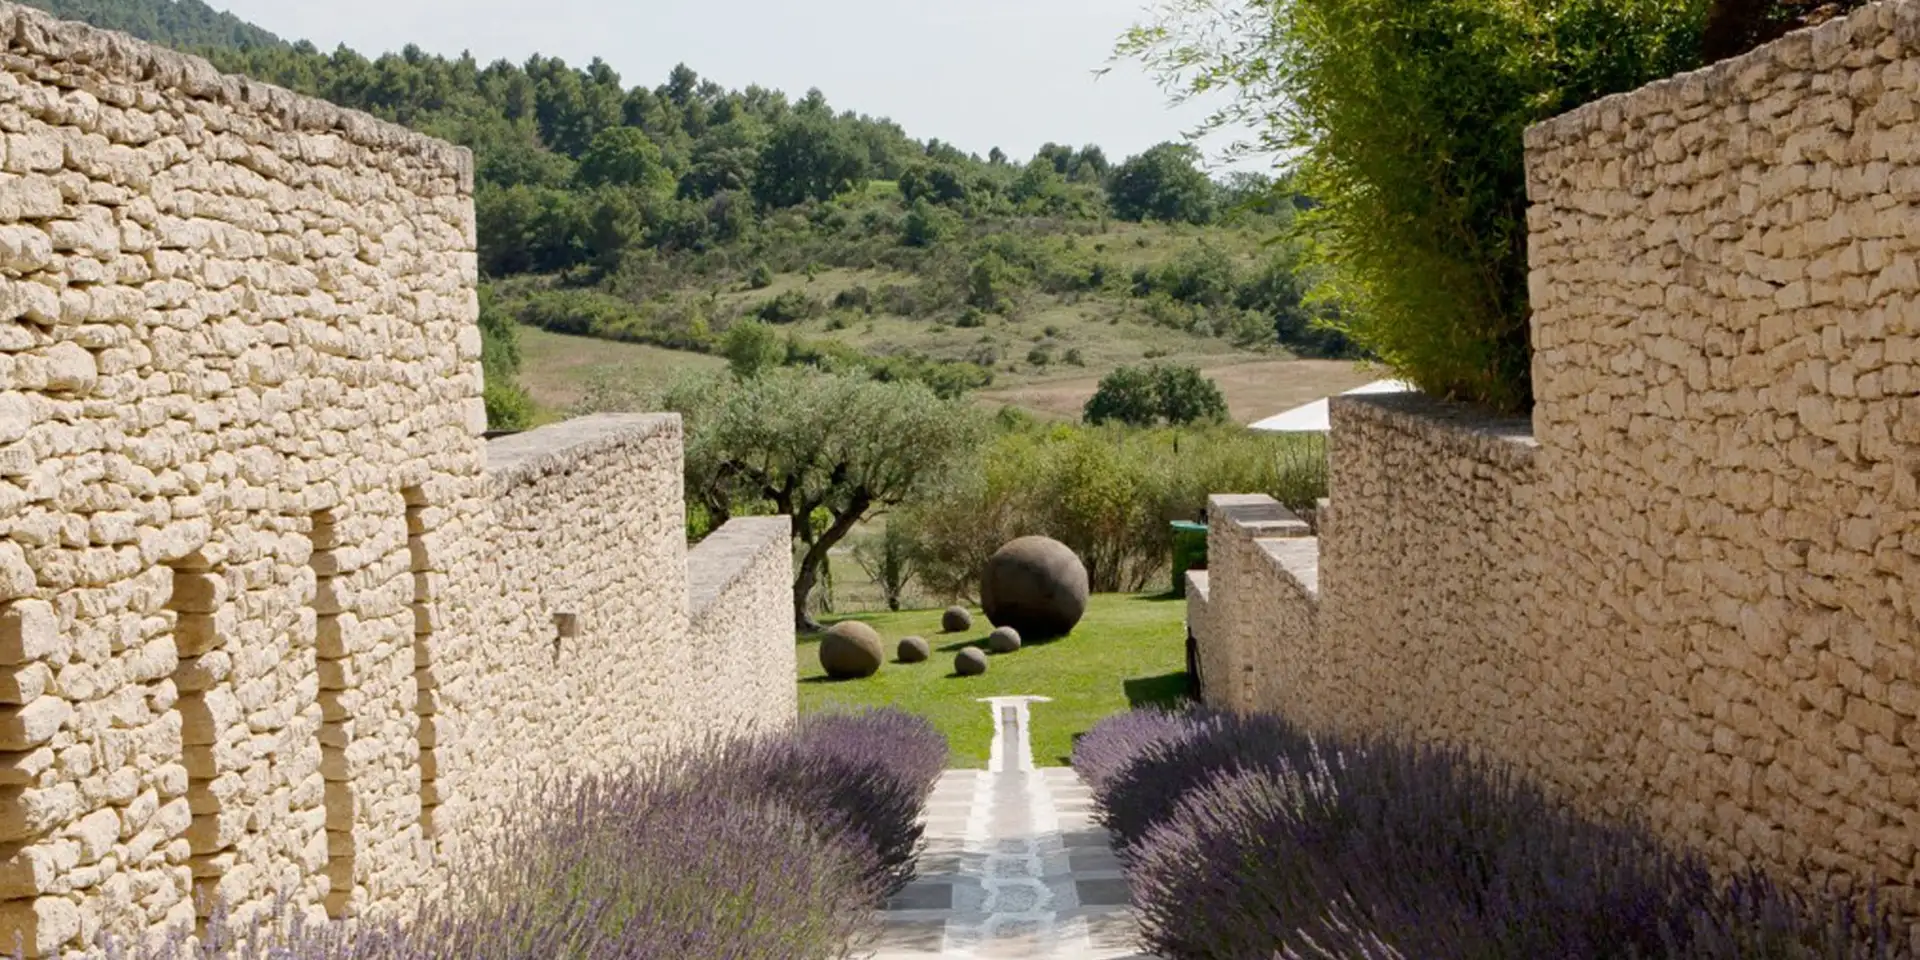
x,y
1003,640
914,650
850,650
970,662
1035,585
956,620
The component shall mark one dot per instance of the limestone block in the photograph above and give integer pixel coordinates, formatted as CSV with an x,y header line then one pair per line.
x,y
42,925
29,726
28,628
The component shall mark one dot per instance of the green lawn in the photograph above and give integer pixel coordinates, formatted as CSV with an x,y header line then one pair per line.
x,y
1128,650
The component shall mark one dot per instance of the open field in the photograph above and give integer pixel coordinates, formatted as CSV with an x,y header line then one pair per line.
x,y
560,370
1254,390
1129,650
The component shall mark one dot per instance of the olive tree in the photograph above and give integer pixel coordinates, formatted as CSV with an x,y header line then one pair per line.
x,y
825,450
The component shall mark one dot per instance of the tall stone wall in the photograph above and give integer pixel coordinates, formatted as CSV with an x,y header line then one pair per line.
x,y
1729,417
1689,590
274,622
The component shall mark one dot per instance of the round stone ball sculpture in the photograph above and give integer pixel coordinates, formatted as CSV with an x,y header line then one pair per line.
x,y
956,620
851,650
970,662
1036,586
914,650
1003,640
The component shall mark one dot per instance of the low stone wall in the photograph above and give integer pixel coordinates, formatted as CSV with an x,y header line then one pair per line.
x,y
591,656
274,622
741,578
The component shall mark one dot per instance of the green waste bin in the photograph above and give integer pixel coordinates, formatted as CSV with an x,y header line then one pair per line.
x,y
1189,552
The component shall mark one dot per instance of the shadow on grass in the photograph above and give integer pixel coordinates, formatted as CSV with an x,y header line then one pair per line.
x,y
1073,743
825,679
1167,597
1166,690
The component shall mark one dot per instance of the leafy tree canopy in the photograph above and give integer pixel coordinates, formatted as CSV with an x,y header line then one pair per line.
x,y
816,446
1174,394
1161,184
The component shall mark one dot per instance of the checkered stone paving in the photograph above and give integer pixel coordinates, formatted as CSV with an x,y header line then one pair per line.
x,y
1014,865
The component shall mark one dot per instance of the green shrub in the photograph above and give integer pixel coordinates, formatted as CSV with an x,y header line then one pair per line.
x,y
761,278
1406,117
1139,397
1107,492
790,307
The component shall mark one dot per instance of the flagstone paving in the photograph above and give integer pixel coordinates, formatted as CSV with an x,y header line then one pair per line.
x,y
1014,865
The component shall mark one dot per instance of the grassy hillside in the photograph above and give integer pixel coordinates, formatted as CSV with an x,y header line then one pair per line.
x,y
679,215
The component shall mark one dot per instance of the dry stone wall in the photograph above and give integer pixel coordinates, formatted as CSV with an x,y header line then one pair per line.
x,y
271,622
1687,590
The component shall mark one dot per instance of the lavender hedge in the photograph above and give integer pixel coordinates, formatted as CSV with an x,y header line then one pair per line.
x,y
1245,839
766,847
1145,791
1100,754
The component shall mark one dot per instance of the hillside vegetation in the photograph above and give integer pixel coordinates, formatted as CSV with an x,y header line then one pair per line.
x,y
669,215
184,24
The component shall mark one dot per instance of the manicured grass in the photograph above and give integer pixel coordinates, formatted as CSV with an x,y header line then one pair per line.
x,y
1128,651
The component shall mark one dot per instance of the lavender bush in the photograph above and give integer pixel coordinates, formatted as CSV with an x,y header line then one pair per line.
x,y
1145,791
1103,751
1244,839
756,848
860,776
907,745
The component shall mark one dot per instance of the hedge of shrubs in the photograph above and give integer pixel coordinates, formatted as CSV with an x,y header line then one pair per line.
x,y
1244,838
779,846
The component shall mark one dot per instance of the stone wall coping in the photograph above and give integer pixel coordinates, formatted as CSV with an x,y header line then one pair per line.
x,y
1198,588
523,457
1819,47
30,39
1255,515
715,564
1506,440
1299,559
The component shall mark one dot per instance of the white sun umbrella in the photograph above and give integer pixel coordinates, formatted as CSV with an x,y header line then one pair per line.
x,y
1313,417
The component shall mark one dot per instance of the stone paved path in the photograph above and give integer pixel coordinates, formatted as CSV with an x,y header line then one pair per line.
x,y
1014,864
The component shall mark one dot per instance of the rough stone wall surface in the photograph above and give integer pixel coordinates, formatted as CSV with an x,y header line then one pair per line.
x,y
269,625
741,578
1200,625
1689,591
1726,334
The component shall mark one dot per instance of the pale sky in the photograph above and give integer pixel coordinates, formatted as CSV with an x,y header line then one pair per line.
x,y
975,73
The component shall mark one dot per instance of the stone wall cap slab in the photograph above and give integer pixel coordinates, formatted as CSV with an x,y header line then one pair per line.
x,y
1299,559
1508,439
36,38
521,457
715,564
1245,511
1715,83
1198,587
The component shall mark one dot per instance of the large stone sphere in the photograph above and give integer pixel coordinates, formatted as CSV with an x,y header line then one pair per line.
x,y
913,650
970,662
1003,640
956,620
851,649
1036,586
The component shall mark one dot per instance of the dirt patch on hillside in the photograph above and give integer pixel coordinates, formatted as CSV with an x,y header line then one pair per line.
x,y
1254,390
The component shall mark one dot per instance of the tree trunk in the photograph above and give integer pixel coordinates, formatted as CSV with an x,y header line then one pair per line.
x,y
803,621
808,574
